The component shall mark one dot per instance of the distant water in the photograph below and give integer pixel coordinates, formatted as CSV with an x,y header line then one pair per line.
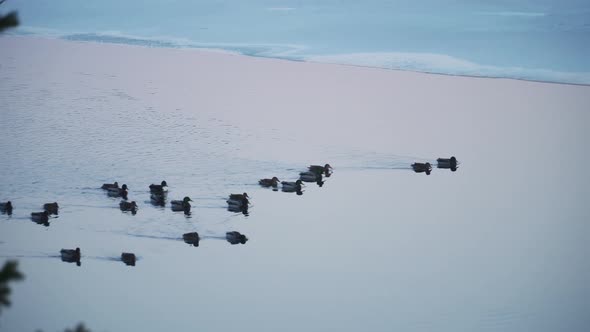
x,y
501,245
523,39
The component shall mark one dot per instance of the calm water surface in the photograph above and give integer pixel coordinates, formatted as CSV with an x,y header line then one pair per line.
x,y
500,245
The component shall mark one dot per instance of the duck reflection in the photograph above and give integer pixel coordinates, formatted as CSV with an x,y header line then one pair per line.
x,y
290,187
118,192
243,209
312,177
158,199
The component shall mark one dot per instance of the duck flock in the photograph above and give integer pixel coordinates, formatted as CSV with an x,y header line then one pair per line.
x,y
236,203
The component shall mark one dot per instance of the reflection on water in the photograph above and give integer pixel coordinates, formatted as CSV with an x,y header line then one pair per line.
x,y
390,262
158,199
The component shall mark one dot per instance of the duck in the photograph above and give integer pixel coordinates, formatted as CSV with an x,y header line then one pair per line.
x,y
40,217
274,182
107,186
291,186
71,255
6,207
450,163
128,258
317,169
159,188
238,200
51,208
118,192
422,168
235,237
183,205
128,206
191,238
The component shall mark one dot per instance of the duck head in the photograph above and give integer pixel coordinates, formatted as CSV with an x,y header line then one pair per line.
x,y
186,200
164,184
124,187
243,239
116,184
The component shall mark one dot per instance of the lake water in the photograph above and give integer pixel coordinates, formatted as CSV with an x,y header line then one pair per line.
x,y
499,245
534,40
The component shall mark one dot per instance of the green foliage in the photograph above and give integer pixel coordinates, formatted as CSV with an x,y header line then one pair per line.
x,y
8,273
9,20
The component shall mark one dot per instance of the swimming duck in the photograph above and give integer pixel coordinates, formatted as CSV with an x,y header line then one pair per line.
x,y
292,186
107,186
6,207
70,255
51,208
317,169
118,192
128,258
422,167
40,217
274,182
235,237
238,200
128,206
450,163
183,205
191,238
159,188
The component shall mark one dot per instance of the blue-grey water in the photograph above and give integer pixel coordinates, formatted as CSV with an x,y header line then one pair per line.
x,y
543,40
499,245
